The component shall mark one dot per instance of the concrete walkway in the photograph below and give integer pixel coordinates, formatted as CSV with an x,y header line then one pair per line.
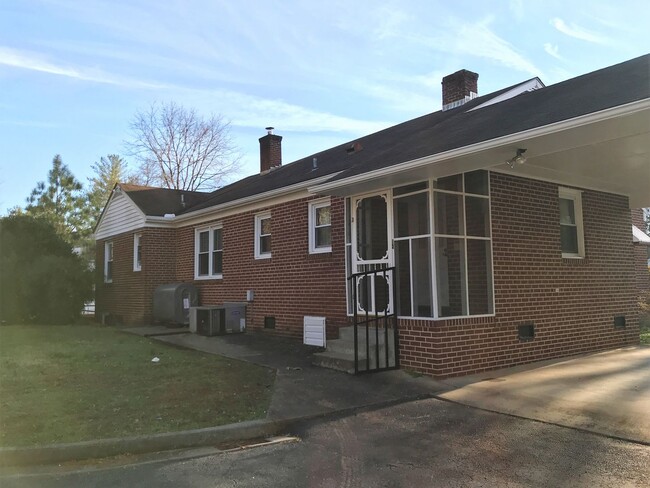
x,y
301,389
607,393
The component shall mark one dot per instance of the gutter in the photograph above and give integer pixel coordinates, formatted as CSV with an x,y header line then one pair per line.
x,y
517,137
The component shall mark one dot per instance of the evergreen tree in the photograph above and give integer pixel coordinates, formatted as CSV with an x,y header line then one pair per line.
x,y
108,171
61,202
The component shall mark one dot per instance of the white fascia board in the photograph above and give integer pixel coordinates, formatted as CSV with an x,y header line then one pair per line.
x,y
510,139
639,236
272,197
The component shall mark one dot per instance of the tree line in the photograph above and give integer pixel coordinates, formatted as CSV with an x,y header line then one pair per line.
x,y
47,247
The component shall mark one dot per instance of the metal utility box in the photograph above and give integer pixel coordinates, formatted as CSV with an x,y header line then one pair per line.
x,y
211,320
172,303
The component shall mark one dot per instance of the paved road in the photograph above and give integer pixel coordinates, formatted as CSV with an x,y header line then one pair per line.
x,y
418,444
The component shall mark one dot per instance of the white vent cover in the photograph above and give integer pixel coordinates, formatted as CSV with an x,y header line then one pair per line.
x,y
314,331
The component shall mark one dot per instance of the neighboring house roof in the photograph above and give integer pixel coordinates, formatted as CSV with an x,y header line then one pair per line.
x,y
435,133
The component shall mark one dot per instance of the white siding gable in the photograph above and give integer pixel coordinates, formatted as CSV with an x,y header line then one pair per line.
x,y
121,215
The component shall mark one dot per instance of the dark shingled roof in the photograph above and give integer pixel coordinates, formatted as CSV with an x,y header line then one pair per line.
x,y
160,201
431,134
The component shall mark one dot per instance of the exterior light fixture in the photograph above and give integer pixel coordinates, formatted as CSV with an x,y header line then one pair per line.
x,y
519,158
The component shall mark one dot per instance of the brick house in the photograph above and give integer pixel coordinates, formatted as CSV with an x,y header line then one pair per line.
x,y
504,221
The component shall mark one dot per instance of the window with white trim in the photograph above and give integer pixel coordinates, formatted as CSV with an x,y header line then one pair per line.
x,y
137,252
208,253
571,228
263,236
108,262
320,226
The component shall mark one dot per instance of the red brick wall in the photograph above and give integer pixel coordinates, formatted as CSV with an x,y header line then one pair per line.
x,y
572,302
289,285
129,298
123,298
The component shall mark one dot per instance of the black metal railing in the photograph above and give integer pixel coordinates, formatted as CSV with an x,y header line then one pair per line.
x,y
373,294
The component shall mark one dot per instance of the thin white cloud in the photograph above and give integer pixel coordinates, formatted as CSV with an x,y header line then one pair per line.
x,y
403,98
389,22
34,62
479,40
552,50
577,32
31,123
250,111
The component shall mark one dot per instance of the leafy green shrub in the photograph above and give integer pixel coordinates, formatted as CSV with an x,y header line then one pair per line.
x,y
42,280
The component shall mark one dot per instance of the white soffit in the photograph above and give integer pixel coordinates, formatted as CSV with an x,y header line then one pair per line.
x,y
607,151
527,86
639,236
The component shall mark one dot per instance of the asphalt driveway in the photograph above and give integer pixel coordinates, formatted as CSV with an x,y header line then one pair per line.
x,y
607,393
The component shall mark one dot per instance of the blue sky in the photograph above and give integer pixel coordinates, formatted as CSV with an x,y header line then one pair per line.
x,y
74,72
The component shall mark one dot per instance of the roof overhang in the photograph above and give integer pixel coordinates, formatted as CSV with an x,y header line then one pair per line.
x,y
607,151
639,236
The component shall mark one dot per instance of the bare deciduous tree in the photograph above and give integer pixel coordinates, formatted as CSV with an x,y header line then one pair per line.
x,y
177,148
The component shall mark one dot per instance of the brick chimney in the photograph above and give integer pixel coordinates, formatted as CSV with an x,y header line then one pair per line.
x,y
270,151
459,88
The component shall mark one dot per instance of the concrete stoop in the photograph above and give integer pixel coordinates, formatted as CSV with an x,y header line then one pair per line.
x,y
339,353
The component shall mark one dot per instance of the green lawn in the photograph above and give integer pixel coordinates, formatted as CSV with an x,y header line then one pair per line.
x,y
645,336
74,383
644,323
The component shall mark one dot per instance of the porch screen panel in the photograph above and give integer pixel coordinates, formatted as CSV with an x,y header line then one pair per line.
x,y
479,277
413,252
449,214
477,216
403,264
411,215
450,272
413,262
421,266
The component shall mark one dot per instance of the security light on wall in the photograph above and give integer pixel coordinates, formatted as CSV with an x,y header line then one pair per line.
x,y
519,158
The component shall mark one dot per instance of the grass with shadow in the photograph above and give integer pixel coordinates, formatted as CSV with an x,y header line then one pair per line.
x,y
76,383
645,333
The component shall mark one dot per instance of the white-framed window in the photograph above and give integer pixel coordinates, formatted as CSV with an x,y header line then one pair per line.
x,y
571,227
263,236
137,252
208,252
108,262
320,226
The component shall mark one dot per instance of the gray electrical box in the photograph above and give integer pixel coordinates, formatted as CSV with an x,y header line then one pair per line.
x,y
172,303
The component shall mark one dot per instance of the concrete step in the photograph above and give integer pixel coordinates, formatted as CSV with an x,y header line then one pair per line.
x,y
344,360
334,360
